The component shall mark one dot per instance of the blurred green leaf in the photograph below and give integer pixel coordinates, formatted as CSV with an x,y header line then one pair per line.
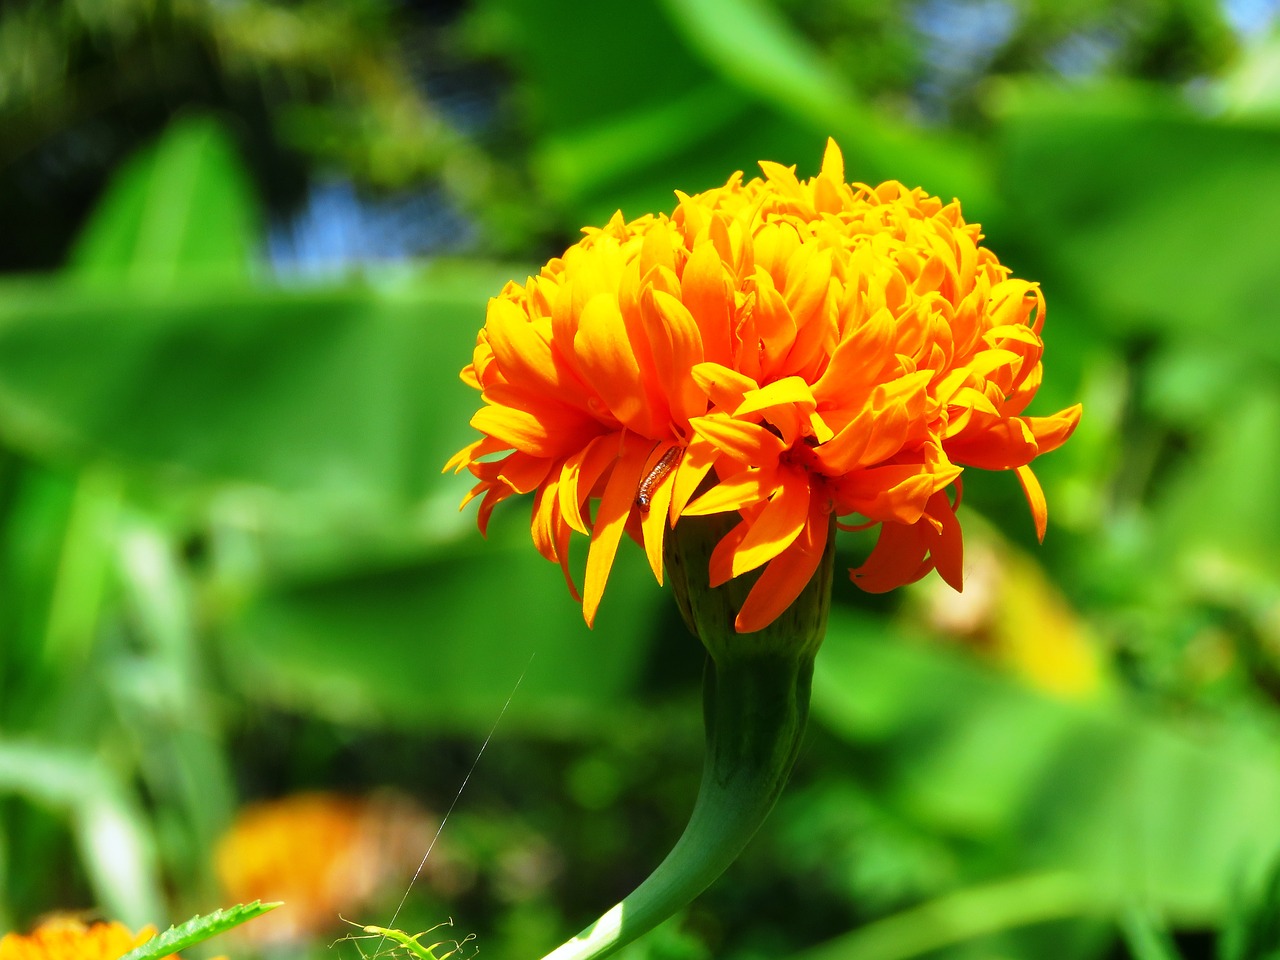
x,y
1252,928
1219,514
583,164
962,916
697,91
1146,938
350,391
105,819
1139,808
182,208
444,639
1163,217
750,43
619,125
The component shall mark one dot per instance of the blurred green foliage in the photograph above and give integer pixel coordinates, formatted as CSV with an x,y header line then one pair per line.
x,y
231,568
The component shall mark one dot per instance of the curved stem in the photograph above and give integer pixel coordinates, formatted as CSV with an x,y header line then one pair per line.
x,y
755,698
755,709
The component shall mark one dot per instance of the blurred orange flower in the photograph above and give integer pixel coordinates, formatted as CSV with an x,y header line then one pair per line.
x,y
780,349
68,938
323,854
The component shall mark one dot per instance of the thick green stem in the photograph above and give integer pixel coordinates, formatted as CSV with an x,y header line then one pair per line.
x,y
755,703
755,715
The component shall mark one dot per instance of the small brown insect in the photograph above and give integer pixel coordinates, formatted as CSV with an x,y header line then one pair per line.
x,y
644,493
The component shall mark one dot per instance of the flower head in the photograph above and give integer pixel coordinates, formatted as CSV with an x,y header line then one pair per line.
x,y
68,938
776,350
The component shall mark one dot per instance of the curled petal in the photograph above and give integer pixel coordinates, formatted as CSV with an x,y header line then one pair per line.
x,y
1052,432
553,432
579,476
706,291
690,473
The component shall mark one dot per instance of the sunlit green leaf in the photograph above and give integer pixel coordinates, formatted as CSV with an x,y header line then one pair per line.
x,y
182,208
197,930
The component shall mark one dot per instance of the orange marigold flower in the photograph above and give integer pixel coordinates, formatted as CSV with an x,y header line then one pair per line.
x,y
68,938
776,348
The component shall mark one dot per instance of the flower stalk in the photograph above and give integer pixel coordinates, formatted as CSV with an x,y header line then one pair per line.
x,y
756,690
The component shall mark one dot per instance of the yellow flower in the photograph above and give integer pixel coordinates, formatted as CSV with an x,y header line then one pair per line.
x,y
68,938
323,854
777,350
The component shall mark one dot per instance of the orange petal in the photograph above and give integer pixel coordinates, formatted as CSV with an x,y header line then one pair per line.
x,y
676,343
769,534
946,545
611,519
519,471
787,574
654,519
551,533
832,162
524,354
784,178
473,452
746,442
775,325
898,558
698,459
1002,445
579,475
608,361
1052,432
553,432
706,291
743,489
788,390
723,386
1035,499
895,492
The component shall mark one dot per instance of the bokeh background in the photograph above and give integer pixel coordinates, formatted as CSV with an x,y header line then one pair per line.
x,y
249,647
